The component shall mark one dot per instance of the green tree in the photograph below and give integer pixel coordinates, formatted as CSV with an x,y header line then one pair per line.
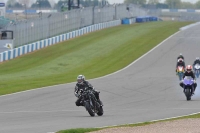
x,y
11,3
173,4
41,4
138,2
61,5
153,1
187,5
197,4
18,5
162,5
87,3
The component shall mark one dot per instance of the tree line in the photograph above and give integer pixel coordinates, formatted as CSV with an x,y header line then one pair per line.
x,y
62,4
168,4
48,3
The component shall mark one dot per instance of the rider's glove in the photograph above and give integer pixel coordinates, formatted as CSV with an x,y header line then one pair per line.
x,y
77,95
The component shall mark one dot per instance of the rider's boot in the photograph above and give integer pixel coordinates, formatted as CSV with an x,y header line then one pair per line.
x,y
194,88
81,103
193,91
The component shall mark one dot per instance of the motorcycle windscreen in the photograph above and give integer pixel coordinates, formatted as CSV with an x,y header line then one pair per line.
x,y
197,66
188,80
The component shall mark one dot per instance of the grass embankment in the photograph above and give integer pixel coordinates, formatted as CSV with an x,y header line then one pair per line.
x,y
95,54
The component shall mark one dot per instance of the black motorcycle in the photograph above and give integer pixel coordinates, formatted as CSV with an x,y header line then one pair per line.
x,y
188,87
90,102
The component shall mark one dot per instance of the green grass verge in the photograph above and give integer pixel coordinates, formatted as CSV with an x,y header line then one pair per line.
x,y
86,130
80,130
94,55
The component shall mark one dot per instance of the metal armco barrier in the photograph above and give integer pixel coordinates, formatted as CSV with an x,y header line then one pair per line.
x,y
47,25
11,54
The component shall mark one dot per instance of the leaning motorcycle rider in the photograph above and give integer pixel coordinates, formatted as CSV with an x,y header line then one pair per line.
x,y
81,85
180,63
189,72
197,61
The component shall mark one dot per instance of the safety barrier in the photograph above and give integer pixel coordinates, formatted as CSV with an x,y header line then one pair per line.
x,y
11,54
128,20
146,19
139,19
30,11
180,10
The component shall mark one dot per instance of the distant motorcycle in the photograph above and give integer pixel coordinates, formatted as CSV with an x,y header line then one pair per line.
x,y
90,102
180,71
188,87
197,70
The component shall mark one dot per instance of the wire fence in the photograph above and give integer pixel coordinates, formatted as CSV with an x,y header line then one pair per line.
x,y
49,25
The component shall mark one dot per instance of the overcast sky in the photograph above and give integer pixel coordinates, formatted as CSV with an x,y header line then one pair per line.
x,y
117,1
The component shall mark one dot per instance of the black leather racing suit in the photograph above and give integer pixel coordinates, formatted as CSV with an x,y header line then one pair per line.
x,y
84,85
192,75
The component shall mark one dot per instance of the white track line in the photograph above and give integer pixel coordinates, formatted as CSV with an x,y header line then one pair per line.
x,y
189,26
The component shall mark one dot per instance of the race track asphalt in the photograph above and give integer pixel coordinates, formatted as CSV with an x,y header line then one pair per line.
x,y
146,90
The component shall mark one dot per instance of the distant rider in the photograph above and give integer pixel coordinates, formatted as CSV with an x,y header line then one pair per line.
x,y
180,56
82,84
189,72
180,63
197,61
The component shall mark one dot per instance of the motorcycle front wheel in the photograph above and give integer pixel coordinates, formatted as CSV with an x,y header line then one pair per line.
x,y
100,111
89,109
188,94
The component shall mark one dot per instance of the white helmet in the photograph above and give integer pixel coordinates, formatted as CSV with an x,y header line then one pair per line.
x,y
197,58
180,60
80,79
189,68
